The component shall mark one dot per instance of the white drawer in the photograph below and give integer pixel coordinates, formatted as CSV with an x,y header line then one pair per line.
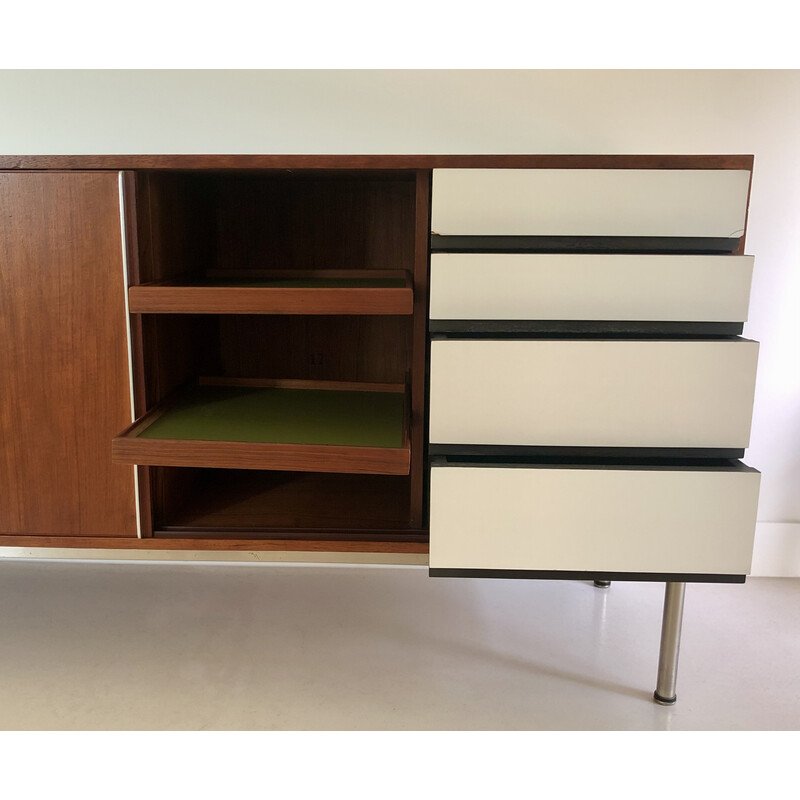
x,y
545,286
592,393
651,520
589,202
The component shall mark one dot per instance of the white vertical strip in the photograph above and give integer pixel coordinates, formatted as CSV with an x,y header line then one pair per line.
x,y
126,284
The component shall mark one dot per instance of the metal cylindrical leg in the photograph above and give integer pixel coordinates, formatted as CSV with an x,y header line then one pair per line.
x,y
670,644
602,584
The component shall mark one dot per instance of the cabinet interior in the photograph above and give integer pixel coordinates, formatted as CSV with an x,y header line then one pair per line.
x,y
195,225
225,229
230,503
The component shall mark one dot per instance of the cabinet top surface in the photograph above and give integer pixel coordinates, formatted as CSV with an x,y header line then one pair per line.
x,y
375,162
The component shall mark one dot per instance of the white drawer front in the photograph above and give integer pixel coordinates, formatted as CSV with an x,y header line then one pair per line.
x,y
604,520
589,202
544,286
592,393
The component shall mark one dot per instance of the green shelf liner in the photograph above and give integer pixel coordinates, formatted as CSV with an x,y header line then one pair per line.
x,y
300,283
285,416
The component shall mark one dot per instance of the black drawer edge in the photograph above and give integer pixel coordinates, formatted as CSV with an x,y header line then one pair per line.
x,y
565,575
501,452
478,328
436,336
575,462
583,244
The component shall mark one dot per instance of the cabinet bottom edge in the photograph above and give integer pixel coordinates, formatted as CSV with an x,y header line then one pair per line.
x,y
582,575
252,556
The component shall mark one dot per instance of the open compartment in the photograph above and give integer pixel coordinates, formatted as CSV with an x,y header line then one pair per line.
x,y
277,242
242,504
277,394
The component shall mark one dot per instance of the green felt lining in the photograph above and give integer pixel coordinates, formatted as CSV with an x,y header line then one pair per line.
x,y
287,416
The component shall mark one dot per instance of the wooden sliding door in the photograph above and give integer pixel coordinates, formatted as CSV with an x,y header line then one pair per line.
x,y
64,387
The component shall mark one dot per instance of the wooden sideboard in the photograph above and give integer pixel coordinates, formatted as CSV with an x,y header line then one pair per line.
x,y
508,366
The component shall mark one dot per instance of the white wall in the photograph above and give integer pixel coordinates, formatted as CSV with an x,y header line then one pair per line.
x,y
485,111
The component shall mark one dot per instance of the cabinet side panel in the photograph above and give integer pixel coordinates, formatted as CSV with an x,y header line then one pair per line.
x,y
63,356
419,357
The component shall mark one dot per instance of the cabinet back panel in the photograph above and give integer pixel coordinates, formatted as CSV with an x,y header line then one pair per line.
x,y
308,223
174,221
281,503
372,349
177,349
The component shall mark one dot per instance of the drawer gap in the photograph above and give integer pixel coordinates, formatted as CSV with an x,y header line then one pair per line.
x,y
532,453
606,329
716,464
655,245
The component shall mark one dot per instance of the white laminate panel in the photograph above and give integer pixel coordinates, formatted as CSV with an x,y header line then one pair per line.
x,y
570,286
614,520
589,202
592,393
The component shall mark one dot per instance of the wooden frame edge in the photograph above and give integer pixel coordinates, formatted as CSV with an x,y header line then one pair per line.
x,y
375,162
261,455
247,545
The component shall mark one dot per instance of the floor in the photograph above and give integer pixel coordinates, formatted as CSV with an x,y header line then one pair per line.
x,y
133,646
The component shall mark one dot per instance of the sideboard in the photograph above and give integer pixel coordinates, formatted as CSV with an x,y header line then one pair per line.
x,y
500,366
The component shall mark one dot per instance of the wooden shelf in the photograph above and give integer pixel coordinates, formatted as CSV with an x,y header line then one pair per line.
x,y
307,426
358,291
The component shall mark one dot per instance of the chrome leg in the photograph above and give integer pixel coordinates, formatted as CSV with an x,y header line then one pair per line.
x,y
670,644
602,584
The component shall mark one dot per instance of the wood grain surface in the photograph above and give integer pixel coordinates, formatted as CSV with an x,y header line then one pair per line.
x,y
175,298
63,356
261,455
287,162
419,349
252,545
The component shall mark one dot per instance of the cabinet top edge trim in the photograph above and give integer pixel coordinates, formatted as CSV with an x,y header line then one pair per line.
x,y
376,161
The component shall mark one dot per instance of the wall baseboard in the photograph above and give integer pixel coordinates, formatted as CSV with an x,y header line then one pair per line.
x,y
776,553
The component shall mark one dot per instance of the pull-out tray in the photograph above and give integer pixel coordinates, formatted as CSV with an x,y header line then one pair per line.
x,y
307,426
357,291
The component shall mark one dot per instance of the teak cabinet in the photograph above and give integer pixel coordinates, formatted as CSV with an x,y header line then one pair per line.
x,y
510,366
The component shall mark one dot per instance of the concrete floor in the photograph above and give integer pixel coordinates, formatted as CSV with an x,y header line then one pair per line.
x,y
133,646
